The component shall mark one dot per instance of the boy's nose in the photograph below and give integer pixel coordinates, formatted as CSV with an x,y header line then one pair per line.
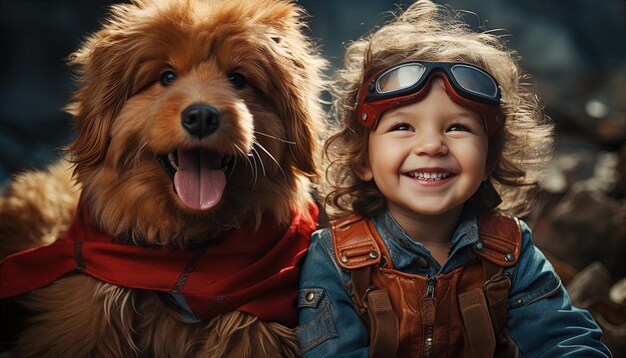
x,y
431,145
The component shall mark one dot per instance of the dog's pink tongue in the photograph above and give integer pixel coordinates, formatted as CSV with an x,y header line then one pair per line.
x,y
197,185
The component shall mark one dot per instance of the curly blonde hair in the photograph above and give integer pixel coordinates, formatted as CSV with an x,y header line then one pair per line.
x,y
429,32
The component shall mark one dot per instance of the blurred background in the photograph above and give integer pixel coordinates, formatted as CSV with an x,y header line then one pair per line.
x,y
574,51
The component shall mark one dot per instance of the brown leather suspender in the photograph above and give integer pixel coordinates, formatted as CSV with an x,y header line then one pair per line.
x,y
360,249
357,249
501,238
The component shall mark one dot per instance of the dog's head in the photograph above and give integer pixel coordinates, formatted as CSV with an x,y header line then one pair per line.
x,y
194,117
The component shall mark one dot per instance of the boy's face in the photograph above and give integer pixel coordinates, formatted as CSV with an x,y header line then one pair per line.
x,y
429,157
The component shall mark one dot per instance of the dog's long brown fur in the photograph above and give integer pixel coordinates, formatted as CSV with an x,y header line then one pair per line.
x,y
124,118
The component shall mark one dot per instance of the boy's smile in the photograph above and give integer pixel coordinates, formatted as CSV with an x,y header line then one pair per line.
x,y
428,157
430,176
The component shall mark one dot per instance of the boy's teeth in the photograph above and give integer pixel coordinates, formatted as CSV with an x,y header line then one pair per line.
x,y
429,176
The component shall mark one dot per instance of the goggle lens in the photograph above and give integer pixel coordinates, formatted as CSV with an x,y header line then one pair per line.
x,y
400,78
473,80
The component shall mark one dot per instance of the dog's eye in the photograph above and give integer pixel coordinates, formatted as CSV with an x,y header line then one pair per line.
x,y
237,79
168,77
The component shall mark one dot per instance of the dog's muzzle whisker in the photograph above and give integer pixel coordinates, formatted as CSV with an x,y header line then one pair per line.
x,y
255,143
260,161
274,137
256,169
244,155
232,169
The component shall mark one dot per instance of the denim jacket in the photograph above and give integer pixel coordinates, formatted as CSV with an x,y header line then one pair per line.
x,y
541,319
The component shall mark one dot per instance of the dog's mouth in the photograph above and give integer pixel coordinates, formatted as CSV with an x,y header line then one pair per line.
x,y
199,175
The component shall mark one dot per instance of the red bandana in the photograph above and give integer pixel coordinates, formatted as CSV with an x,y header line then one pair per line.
x,y
253,272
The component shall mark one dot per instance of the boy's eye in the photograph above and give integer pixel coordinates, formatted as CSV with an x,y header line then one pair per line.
x,y
401,127
458,128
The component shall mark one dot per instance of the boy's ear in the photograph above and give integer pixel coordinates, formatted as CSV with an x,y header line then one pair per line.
x,y
488,171
490,164
364,171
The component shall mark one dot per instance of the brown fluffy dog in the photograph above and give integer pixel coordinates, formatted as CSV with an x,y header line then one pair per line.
x,y
231,83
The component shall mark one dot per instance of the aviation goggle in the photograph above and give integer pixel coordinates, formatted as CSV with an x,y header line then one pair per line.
x,y
407,82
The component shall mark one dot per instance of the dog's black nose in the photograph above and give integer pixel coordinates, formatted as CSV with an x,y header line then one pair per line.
x,y
200,119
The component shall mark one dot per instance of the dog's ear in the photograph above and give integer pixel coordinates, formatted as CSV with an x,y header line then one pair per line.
x,y
104,73
299,83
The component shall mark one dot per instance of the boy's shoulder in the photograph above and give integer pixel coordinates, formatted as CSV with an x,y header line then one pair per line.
x,y
357,242
500,238
352,241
